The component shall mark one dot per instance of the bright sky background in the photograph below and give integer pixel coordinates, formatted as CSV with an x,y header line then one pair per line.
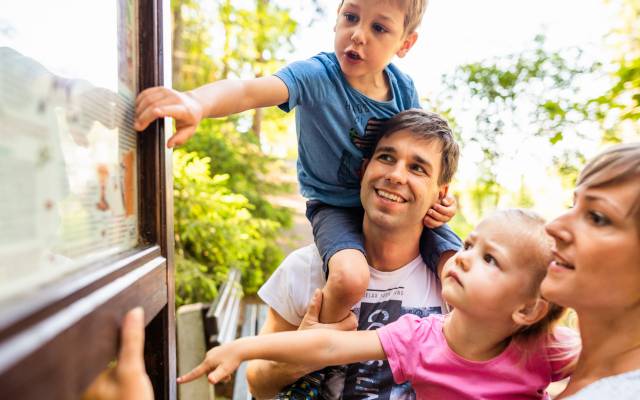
x,y
456,32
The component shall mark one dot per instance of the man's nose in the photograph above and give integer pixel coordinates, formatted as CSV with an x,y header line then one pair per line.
x,y
397,174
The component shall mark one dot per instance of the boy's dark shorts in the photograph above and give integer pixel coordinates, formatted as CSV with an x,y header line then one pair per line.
x,y
339,228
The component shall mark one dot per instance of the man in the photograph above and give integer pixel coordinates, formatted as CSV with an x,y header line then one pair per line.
x,y
409,171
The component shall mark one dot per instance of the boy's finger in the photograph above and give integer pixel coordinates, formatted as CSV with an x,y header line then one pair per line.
x,y
443,210
181,136
436,216
154,95
431,223
193,374
132,349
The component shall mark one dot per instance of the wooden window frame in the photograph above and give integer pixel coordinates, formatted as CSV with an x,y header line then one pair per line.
x,y
56,340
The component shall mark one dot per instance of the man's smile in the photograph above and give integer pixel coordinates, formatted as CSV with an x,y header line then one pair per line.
x,y
390,196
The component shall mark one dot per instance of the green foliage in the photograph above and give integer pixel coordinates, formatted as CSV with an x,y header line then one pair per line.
x,y
222,177
215,230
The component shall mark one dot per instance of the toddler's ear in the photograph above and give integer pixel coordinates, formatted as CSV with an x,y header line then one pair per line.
x,y
531,312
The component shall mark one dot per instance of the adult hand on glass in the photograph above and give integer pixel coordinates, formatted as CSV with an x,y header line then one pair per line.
x,y
128,380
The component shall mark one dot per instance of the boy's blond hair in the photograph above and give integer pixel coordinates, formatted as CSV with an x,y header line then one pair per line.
x,y
413,15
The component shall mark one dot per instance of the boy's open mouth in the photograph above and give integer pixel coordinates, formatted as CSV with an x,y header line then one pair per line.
x,y
353,55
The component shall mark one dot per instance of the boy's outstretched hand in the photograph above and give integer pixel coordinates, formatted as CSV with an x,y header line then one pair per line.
x,y
441,213
159,102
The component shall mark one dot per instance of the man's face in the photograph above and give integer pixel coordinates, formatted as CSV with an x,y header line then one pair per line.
x,y
400,183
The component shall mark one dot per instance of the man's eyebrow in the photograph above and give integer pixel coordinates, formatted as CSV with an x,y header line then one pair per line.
x,y
385,149
421,160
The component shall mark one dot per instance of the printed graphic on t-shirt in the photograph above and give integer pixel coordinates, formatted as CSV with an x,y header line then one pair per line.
x,y
373,379
350,170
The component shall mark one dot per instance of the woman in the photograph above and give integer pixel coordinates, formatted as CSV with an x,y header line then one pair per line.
x,y
597,273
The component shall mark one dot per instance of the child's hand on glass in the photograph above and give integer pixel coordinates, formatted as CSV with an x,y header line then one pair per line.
x,y
441,213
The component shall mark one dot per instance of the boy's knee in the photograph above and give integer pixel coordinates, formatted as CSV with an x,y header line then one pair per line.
x,y
349,282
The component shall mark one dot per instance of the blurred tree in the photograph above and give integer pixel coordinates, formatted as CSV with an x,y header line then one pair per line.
x,y
620,105
536,92
213,41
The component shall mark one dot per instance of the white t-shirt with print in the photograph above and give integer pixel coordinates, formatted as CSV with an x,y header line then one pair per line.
x,y
412,288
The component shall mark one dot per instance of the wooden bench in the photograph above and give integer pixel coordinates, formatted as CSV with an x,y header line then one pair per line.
x,y
201,327
221,320
254,317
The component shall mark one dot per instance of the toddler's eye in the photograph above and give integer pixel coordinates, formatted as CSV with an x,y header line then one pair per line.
x,y
467,245
488,258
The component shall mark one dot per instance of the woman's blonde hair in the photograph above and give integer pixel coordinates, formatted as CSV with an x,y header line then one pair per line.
x,y
617,164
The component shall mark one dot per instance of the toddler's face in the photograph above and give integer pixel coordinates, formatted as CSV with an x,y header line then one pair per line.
x,y
491,276
368,34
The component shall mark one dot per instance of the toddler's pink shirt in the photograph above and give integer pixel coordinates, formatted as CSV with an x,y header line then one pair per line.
x,y
418,352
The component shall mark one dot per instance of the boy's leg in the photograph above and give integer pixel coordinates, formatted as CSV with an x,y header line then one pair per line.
x,y
346,284
338,235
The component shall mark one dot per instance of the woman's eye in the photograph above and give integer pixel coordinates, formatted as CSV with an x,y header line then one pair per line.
x,y
488,258
379,28
385,157
598,218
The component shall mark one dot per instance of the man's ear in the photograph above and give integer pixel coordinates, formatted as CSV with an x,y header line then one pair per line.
x,y
407,44
442,193
531,312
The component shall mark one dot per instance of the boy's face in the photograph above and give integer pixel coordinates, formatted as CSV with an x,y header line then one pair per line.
x,y
368,34
490,277
400,182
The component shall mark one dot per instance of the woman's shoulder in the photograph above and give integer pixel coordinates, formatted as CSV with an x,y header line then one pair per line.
x,y
625,386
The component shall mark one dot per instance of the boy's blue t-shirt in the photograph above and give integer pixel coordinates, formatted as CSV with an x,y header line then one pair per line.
x,y
337,125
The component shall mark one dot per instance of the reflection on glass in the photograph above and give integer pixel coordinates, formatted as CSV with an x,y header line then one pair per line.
x,y
68,193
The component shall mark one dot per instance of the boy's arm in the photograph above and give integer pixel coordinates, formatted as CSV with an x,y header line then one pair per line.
x,y
216,99
316,348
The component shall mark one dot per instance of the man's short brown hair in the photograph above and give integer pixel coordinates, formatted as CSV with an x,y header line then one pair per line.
x,y
428,126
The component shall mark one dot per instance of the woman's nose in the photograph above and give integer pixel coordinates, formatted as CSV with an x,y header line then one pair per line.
x,y
559,228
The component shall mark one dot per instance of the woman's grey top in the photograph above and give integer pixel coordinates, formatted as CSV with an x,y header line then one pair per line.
x,y
619,387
